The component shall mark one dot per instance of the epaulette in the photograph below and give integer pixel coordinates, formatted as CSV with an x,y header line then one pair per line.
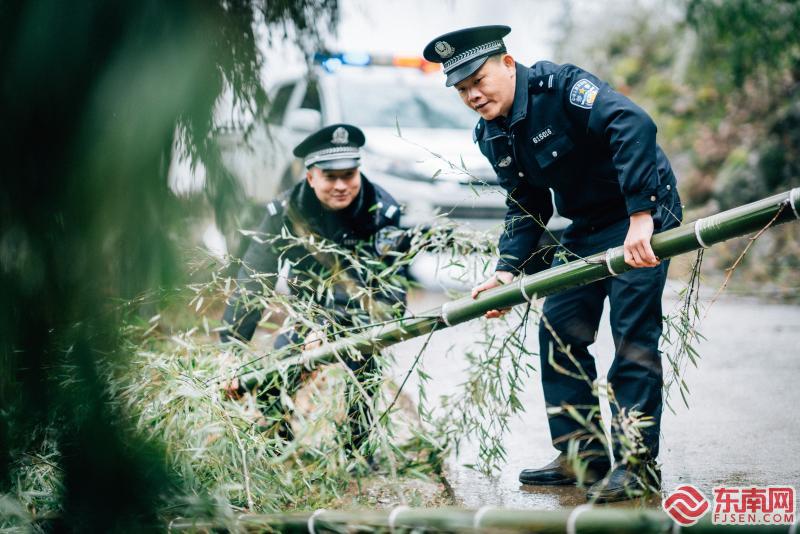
x,y
276,207
389,210
541,84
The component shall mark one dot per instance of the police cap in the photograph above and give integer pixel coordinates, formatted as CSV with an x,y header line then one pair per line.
x,y
333,147
462,52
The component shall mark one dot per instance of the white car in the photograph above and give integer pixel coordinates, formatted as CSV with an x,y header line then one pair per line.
x,y
419,143
419,138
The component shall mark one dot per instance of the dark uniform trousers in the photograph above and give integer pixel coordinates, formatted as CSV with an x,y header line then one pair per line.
x,y
635,376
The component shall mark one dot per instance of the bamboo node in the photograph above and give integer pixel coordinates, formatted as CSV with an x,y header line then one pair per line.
x,y
699,225
572,520
609,257
524,294
476,520
393,515
311,520
446,320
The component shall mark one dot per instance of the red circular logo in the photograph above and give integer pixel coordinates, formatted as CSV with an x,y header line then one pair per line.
x,y
686,505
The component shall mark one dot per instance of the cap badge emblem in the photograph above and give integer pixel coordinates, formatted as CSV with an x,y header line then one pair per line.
x,y
444,49
340,136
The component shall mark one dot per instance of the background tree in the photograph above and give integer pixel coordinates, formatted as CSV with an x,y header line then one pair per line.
x,y
747,37
721,79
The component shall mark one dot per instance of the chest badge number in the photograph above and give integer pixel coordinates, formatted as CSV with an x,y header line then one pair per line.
x,y
505,162
541,136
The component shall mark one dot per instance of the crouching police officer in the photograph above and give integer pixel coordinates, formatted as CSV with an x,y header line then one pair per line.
x,y
337,203
559,128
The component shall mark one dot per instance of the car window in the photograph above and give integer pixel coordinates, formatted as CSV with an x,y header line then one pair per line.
x,y
311,98
383,103
279,103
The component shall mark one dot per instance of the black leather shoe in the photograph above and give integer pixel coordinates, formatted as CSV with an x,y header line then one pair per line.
x,y
559,472
626,482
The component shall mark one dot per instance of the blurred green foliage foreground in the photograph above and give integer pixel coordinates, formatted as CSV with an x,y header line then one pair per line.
x,y
92,96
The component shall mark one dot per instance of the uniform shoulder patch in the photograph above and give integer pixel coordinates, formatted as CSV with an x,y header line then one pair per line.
x,y
276,207
583,93
388,239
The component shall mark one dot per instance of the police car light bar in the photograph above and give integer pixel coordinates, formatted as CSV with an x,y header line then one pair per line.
x,y
415,62
332,61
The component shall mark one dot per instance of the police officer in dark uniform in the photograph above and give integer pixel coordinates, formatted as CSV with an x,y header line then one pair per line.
x,y
559,128
338,204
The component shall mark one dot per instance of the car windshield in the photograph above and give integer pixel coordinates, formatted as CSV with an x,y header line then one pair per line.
x,y
410,99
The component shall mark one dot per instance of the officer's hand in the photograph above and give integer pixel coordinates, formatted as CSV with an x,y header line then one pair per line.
x,y
231,388
500,278
638,252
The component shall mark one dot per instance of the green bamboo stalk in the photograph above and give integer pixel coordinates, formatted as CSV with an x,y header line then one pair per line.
x,y
703,233
584,519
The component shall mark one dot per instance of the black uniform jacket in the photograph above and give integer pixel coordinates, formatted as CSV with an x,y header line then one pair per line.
x,y
369,226
568,132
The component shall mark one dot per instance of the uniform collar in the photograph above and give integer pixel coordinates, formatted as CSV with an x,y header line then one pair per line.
x,y
519,108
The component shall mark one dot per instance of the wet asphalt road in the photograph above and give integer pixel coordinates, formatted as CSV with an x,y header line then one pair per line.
x,y
742,426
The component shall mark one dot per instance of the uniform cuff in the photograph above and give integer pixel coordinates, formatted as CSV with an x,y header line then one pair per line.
x,y
644,201
508,266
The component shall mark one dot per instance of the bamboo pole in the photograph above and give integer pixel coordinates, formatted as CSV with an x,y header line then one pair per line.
x,y
703,233
584,519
